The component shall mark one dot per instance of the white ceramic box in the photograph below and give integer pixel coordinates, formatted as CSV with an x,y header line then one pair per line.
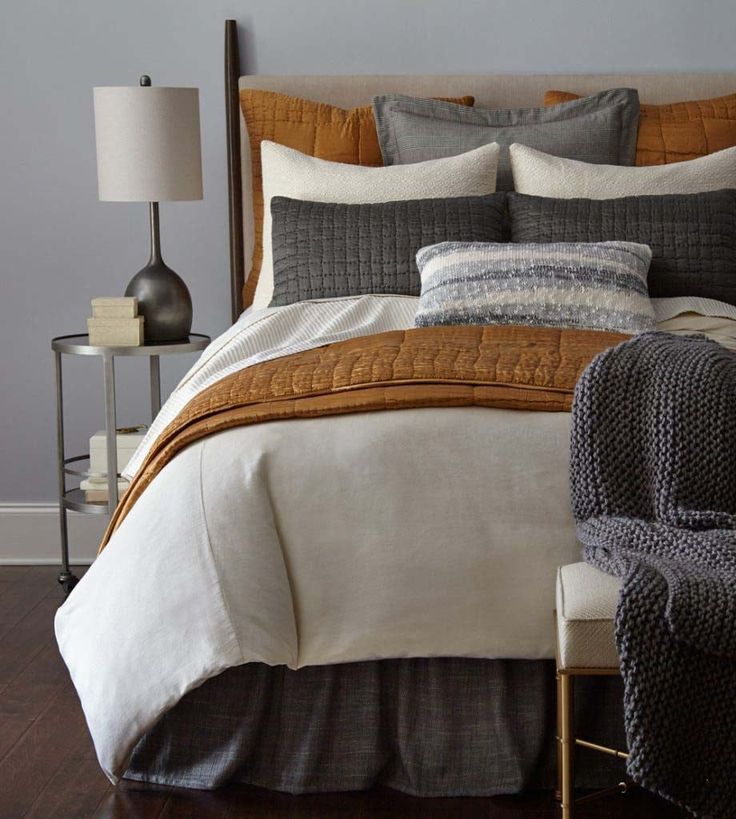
x,y
127,443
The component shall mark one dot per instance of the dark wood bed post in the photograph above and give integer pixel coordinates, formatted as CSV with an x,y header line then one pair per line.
x,y
234,179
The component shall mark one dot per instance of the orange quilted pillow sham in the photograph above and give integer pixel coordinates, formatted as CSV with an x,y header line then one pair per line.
x,y
314,128
679,130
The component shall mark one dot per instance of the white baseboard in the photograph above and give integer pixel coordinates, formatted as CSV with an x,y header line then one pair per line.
x,y
29,535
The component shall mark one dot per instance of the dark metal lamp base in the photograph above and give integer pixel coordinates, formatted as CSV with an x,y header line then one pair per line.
x,y
163,298
163,301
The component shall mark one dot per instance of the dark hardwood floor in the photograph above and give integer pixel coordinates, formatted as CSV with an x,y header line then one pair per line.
x,y
48,767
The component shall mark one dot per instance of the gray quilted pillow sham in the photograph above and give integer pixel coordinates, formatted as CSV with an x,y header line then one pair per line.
x,y
325,250
579,285
601,129
692,236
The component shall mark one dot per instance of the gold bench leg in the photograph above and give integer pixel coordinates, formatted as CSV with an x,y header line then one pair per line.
x,y
566,744
558,735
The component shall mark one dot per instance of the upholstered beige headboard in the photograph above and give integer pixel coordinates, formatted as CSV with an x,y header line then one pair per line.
x,y
489,90
492,90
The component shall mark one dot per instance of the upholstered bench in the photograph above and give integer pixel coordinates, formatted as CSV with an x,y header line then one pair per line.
x,y
586,607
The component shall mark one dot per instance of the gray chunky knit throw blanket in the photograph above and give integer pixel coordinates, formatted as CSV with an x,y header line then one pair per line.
x,y
653,471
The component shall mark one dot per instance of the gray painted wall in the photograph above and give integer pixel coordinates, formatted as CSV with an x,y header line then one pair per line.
x,y
60,247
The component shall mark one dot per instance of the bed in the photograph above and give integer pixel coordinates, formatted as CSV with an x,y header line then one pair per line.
x,y
330,603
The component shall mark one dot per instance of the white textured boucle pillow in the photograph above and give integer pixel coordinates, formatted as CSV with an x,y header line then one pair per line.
x,y
287,172
539,174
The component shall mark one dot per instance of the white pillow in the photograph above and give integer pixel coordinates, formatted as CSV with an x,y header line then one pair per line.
x,y
686,315
540,174
287,172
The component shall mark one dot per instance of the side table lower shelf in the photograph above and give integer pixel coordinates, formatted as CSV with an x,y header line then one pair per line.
x,y
74,499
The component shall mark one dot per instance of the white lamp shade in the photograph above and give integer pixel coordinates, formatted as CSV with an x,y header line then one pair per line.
x,y
148,144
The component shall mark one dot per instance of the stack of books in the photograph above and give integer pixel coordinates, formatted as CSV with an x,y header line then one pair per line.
x,y
95,489
115,322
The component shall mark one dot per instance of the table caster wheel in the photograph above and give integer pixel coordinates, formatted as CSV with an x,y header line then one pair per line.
x,y
68,581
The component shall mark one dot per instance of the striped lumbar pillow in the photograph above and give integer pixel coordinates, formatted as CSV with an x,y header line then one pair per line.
x,y
601,286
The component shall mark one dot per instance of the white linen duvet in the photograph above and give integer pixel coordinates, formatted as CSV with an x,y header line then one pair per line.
x,y
410,533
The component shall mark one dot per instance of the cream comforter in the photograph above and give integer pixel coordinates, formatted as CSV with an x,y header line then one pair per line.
x,y
421,532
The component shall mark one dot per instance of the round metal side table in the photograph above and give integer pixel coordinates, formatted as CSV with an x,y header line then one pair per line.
x,y
74,498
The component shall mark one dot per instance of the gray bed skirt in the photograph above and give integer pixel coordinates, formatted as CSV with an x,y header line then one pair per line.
x,y
428,727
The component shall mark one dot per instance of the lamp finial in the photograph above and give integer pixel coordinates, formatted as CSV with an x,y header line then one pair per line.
x,y
145,80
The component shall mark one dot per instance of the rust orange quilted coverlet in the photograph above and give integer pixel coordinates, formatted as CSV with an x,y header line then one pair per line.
x,y
509,367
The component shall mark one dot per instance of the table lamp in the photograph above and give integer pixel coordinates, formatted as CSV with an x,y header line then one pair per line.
x,y
148,150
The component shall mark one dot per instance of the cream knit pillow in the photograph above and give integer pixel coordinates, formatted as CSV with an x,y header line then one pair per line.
x,y
540,174
287,172
688,315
